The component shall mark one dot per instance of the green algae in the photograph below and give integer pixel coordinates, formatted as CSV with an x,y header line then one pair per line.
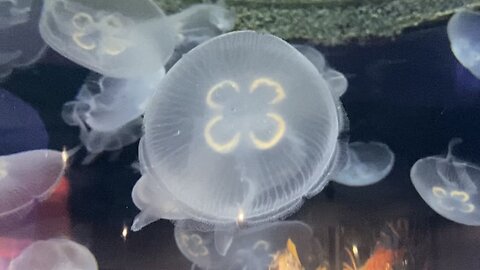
x,y
333,22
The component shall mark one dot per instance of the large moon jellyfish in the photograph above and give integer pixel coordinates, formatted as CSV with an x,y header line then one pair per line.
x,y
449,186
20,41
277,245
243,127
55,254
366,164
27,178
115,37
21,128
108,111
463,32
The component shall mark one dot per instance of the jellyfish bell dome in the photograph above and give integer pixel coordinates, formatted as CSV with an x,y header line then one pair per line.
x,y
449,186
252,248
366,163
26,178
464,38
242,126
117,38
54,254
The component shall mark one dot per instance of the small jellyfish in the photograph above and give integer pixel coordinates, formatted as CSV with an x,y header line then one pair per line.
x,y
464,39
449,186
366,164
108,111
242,128
20,41
21,128
113,37
26,178
268,246
55,254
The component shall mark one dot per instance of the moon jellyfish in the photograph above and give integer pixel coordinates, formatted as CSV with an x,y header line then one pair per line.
x,y
55,254
449,186
21,128
278,245
108,111
242,128
112,37
26,178
366,164
20,41
465,40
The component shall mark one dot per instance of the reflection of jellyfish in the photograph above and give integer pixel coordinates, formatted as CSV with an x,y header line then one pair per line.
x,y
464,39
366,164
21,128
26,178
20,41
107,110
260,247
55,254
449,186
242,127
114,37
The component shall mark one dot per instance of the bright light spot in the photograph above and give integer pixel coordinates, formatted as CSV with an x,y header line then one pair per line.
x,y
64,155
240,216
124,232
355,251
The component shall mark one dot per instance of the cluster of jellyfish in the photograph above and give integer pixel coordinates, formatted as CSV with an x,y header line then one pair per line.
x,y
236,129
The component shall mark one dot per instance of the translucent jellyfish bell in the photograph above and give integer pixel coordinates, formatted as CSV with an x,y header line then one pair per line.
x,y
55,254
242,128
258,247
21,128
26,178
366,164
465,39
112,37
20,41
449,186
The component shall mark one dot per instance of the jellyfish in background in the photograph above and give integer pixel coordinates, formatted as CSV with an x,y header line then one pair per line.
x,y
278,245
108,111
20,41
449,186
463,32
366,164
55,254
27,178
21,128
243,127
118,39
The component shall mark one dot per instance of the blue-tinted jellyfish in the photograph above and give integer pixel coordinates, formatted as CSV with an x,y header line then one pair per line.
x,y
26,178
20,41
366,164
258,247
116,38
242,128
21,128
449,186
55,254
108,111
464,39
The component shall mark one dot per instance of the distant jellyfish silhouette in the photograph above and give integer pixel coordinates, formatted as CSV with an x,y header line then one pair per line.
x,y
108,111
27,178
20,41
21,128
260,247
366,164
243,127
112,37
449,186
55,254
464,39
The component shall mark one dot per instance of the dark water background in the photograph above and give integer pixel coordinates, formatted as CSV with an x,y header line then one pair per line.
x,y
409,93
